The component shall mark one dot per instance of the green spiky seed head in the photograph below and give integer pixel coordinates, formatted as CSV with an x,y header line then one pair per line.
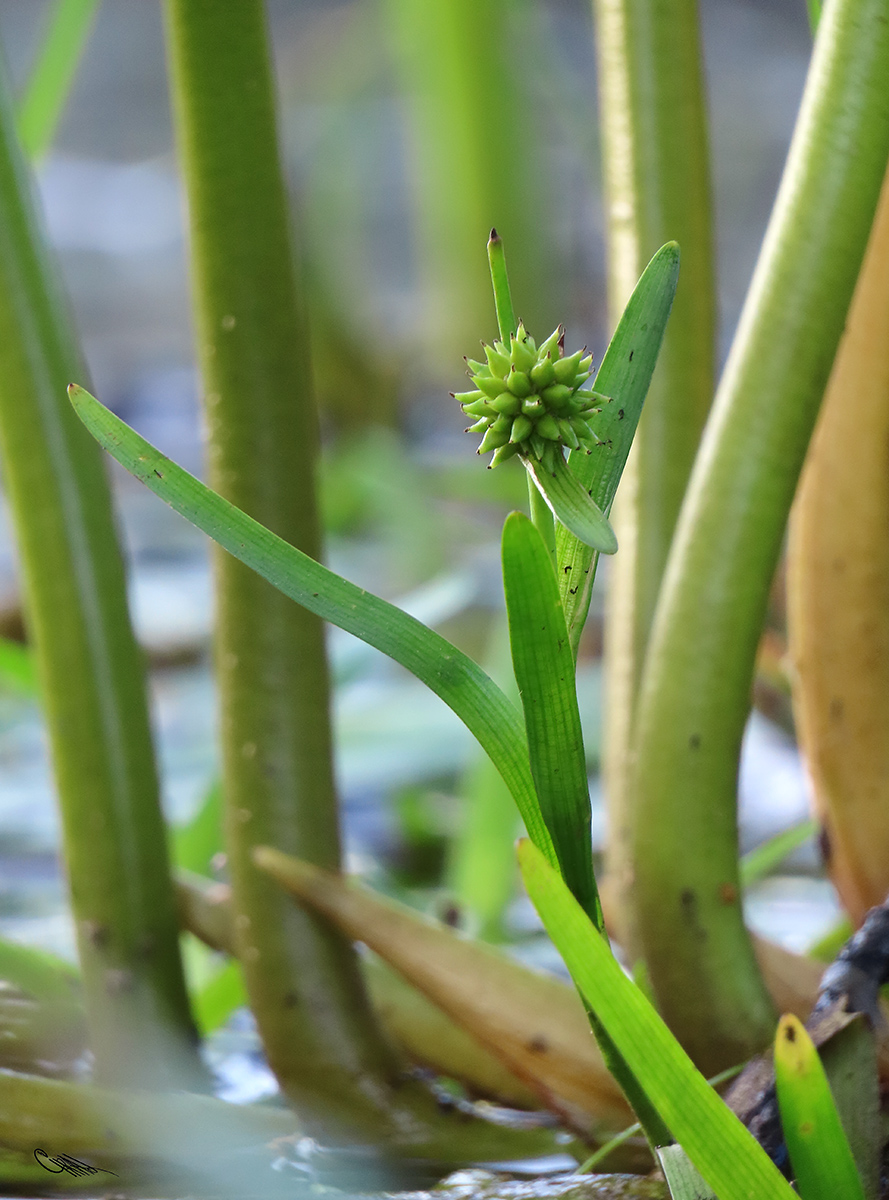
x,y
530,399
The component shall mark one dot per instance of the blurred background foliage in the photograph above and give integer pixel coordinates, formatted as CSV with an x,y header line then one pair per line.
x,y
397,186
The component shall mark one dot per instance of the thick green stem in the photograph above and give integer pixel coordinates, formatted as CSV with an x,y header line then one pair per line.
x,y
656,166
302,976
695,696
91,670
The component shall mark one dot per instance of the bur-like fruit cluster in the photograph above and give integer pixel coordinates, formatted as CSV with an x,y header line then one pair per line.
x,y
530,400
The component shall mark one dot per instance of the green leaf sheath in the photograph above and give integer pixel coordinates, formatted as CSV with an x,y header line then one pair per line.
x,y
544,671
572,505
302,976
724,1152
53,73
655,161
820,1156
445,670
696,691
624,376
90,668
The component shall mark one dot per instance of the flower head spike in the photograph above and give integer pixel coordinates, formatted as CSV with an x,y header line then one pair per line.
x,y
531,398
530,402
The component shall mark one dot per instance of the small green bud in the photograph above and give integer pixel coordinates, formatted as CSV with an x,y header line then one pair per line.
x,y
521,429
521,354
478,426
492,440
533,407
586,364
489,385
556,396
466,397
476,367
579,425
502,424
478,408
548,428
518,383
566,368
502,453
551,346
567,434
499,363
543,374
507,403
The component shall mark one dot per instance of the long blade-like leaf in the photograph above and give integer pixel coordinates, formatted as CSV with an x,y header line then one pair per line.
x,y
544,671
725,1153
463,685
572,505
819,1150
624,375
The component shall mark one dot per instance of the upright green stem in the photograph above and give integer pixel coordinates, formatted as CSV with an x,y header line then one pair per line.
x,y
656,166
90,667
302,976
695,696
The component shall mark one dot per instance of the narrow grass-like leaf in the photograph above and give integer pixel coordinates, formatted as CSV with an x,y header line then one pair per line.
x,y
460,683
544,671
53,74
572,505
624,375
725,1153
819,1150
683,1177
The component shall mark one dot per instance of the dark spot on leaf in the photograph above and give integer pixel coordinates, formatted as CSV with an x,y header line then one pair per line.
x,y
157,473
824,844
789,1033
567,569
451,916
632,352
837,709
572,591
538,1044
620,414
728,893
694,742
291,1000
